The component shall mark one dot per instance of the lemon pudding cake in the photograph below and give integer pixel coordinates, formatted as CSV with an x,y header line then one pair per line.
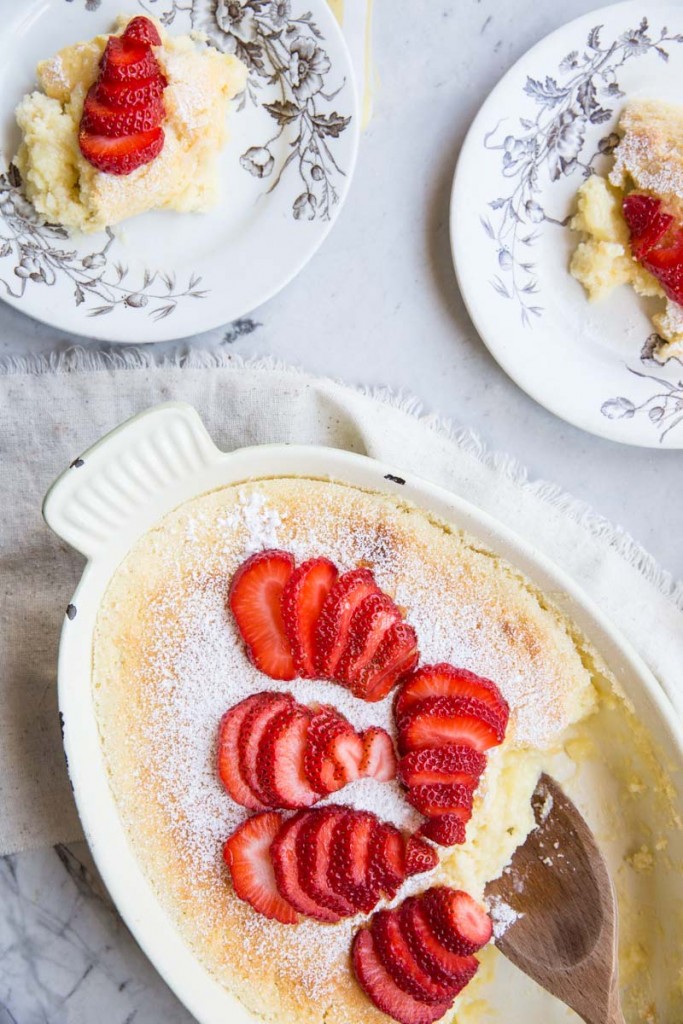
x,y
632,221
294,685
126,123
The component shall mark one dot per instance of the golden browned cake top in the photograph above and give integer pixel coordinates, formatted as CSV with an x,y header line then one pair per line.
x,y
168,662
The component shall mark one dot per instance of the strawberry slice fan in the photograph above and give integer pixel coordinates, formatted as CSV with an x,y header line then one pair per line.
x,y
120,128
276,755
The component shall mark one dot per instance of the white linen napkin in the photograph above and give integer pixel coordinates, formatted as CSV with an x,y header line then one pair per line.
x,y
52,409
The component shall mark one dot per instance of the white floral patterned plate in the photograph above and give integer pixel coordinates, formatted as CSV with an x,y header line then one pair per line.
x,y
286,171
549,123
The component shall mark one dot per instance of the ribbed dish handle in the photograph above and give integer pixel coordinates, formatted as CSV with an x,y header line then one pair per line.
x,y
133,467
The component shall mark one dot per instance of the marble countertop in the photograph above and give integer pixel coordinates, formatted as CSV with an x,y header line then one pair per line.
x,y
378,305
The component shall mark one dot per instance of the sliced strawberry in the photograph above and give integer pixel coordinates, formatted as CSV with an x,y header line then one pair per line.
x,y
125,59
383,991
335,618
459,923
388,858
280,759
101,119
322,770
453,762
646,221
346,750
666,264
121,155
352,872
285,860
251,732
444,680
247,854
143,31
228,753
437,961
396,956
369,623
314,846
256,602
438,720
302,601
396,655
446,830
130,94
420,856
379,758
442,798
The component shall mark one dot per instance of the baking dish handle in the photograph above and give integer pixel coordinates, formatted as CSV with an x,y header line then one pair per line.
x,y
137,465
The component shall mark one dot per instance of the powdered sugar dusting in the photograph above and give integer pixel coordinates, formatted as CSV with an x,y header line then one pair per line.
x,y
502,915
192,668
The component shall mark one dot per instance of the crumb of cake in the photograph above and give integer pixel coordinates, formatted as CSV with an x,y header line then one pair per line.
x,y
66,189
649,160
641,860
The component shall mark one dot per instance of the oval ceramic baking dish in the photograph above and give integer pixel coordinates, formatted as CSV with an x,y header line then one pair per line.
x,y
115,492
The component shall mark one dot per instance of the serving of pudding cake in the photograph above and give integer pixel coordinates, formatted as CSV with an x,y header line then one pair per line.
x,y
632,221
126,123
184,662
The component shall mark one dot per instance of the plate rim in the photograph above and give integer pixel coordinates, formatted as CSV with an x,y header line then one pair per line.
x,y
506,362
95,328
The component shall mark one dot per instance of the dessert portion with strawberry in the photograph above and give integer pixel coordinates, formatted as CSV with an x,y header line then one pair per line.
x,y
632,221
126,123
311,621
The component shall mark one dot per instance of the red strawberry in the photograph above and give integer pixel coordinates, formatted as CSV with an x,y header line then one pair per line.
x,y
396,655
302,602
247,854
666,264
379,758
125,59
395,955
143,31
646,222
438,962
388,858
101,119
420,856
346,750
352,869
438,720
283,853
460,924
383,991
121,155
253,727
442,798
452,762
280,759
228,756
444,680
322,770
130,94
314,850
446,830
335,618
369,623
256,602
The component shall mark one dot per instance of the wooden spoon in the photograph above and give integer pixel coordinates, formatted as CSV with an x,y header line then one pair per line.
x,y
558,898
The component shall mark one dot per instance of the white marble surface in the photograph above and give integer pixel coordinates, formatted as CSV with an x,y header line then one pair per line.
x,y
378,305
